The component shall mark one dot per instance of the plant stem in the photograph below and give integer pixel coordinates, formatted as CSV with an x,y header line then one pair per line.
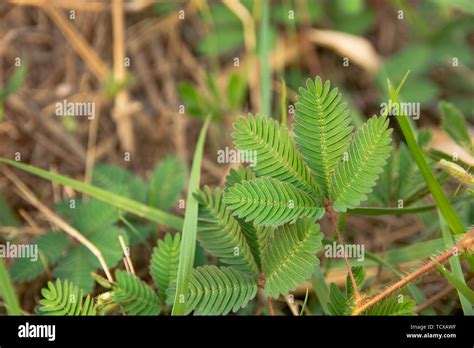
x,y
332,216
464,244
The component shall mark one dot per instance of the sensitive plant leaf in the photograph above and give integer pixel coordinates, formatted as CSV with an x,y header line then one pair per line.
x,y
359,276
290,257
51,247
167,182
267,201
218,290
355,177
77,267
338,304
134,296
120,181
454,123
93,215
64,298
7,217
322,129
236,90
392,306
237,175
274,152
221,234
164,263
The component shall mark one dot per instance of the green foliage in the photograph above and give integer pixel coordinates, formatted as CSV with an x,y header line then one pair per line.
x,y
392,306
322,129
164,263
275,151
218,291
65,298
455,125
343,304
236,176
221,234
51,247
134,296
291,256
14,82
167,182
268,201
367,154
120,181
7,217
77,267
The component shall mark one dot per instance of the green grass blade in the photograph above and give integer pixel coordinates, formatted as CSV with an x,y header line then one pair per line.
x,y
283,103
188,240
456,282
118,201
445,207
455,264
376,211
321,288
7,292
265,73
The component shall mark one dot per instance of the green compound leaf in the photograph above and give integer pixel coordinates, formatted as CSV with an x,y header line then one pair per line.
x,y
51,247
164,263
322,129
290,257
236,176
65,298
221,234
392,306
355,177
167,182
454,123
267,201
134,296
218,290
275,153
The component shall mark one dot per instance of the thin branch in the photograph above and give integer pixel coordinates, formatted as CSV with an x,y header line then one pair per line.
x,y
466,243
332,216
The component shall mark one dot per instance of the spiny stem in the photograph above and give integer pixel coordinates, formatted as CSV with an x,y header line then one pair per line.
x,y
466,243
332,216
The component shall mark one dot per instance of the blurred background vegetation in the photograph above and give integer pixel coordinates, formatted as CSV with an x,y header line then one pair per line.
x,y
185,60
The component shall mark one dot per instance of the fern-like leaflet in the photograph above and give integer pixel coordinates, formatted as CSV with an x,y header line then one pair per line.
x,y
218,290
290,256
367,154
276,154
65,298
221,234
134,296
322,129
268,201
164,263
